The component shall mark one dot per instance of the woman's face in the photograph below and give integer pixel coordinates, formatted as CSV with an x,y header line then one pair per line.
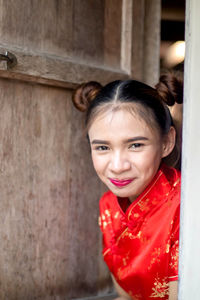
x,y
126,152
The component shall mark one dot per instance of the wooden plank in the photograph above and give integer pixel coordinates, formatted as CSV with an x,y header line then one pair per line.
x,y
48,220
151,58
112,33
54,70
137,39
126,35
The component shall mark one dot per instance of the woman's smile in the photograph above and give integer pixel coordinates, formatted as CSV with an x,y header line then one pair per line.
x,y
120,183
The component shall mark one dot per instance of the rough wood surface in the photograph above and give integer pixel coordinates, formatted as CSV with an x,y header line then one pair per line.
x,y
55,71
151,69
50,240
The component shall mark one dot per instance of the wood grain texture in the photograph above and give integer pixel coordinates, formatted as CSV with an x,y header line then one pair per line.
x,y
54,70
48,219
52,26
151,59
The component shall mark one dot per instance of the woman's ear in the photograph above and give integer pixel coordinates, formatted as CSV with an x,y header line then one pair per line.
x,y
169,142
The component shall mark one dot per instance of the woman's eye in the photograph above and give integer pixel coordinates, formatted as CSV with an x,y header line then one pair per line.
x,y
101,148
135,146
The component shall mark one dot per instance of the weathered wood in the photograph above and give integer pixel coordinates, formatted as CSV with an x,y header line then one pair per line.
x,y
137,40
146,40
55,71
126,35
49,233
151,67
112,33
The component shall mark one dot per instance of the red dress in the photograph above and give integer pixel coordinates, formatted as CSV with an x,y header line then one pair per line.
x,y
141,242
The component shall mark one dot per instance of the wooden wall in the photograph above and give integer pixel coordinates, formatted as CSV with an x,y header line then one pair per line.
x,y
50,240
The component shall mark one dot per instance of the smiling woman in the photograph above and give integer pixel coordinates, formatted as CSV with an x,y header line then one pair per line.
x,y
131,133
127,153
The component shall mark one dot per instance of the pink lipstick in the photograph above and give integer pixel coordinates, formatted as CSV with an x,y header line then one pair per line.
x,y
121,183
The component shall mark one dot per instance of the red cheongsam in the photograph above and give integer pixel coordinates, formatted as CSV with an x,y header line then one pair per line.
x,y
140,243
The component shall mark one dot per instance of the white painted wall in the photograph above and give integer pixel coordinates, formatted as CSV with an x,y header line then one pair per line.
x,y
189,267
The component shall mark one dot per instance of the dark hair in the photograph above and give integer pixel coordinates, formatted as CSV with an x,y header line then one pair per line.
x,y
151,103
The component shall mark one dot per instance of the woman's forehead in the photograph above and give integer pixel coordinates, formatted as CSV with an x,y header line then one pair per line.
x,y
120,122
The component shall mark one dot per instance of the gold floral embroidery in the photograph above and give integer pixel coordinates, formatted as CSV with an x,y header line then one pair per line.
x,y
116,215
144,205
107,213
122,235
105,219
119,274
174,256
108,250
176,182
155,257
161,288
136,215
158,176
127,233
126,258
167,247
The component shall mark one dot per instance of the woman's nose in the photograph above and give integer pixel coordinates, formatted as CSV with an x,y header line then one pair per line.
x,y
119,163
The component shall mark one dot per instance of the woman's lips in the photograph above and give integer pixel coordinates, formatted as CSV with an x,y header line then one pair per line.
x,y
120,183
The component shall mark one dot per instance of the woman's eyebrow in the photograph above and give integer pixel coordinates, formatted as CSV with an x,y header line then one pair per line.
x,y
134,139
137,138
99,142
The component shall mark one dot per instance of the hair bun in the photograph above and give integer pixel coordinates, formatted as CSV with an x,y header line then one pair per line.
x,y
170,88
85,93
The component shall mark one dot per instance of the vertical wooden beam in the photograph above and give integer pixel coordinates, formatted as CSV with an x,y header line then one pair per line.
x,y
140,47
126,35
151,67
137,40
189,265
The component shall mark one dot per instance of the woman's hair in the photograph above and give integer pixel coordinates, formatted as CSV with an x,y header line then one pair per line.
x,y
150,104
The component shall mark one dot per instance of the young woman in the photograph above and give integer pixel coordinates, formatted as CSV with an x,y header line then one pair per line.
x,y
131,134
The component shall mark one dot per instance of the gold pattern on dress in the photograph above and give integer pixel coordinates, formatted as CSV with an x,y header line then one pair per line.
x,y
116,215
131,236
104,224
136,215
174,256
127,233
135,296
122,234
161,288
107,213
155,257
176,182
105,218
159,175
167,248
144,205
126,258
119,274
108,250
